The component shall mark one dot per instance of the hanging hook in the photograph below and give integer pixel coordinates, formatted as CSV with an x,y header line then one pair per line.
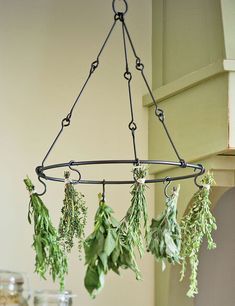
x,y
103,193
166,182
75,170
125,7
45,187
202,171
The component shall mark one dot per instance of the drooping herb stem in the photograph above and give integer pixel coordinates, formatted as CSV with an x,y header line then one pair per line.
x,y
165,233
124,255
74,217
195,225
49,255
100,248
135,224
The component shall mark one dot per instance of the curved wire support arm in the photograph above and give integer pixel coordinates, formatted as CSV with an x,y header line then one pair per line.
x,y
67,120
158,112
128,76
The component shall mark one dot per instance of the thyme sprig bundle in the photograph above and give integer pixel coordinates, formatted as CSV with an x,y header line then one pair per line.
x,y
136,219
195,225
99,248
74,217
49,255
165,233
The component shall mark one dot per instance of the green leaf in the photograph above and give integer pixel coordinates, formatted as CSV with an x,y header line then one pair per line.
x,y
110,243
92,280
104,259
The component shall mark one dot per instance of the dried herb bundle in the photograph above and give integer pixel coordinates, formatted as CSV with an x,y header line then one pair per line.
x,y
165,233
74,217
49,255
99,248
124,254
136,217
196,224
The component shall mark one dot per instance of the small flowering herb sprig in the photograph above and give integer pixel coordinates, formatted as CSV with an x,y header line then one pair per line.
x,y
195,225
74,217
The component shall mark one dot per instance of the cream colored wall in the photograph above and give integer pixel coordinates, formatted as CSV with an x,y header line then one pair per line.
x,y
46,51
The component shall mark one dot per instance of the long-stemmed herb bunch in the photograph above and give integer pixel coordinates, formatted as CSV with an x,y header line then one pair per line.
x,y
74,217
195,225
134,227
49,254
165,233
100,248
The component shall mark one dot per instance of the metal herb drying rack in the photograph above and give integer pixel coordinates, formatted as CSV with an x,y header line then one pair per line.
x,y
197,169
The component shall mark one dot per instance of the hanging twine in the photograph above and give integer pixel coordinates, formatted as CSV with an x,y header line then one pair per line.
x,y
141,180
206,186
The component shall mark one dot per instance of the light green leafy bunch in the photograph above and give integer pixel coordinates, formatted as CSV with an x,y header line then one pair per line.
x,y
195,225
49,255
100,248
165,233
74,217
134,225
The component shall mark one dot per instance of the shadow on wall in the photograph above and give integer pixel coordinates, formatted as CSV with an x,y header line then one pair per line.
x,y
216,275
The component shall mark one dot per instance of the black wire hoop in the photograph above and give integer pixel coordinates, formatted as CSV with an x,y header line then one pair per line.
x,y
197,171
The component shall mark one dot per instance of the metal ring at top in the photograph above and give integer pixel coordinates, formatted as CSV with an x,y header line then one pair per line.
x,y
125,10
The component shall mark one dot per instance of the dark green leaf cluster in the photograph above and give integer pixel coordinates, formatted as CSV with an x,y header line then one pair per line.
x,y
49,255
74,217
100,248
195,225
136,217
165,233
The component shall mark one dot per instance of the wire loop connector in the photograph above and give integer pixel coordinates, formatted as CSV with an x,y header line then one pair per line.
x,y
125,9
132,126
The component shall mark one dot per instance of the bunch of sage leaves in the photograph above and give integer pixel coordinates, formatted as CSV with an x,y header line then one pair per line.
x,y
74,217
195,225
49,254
100,247
165,234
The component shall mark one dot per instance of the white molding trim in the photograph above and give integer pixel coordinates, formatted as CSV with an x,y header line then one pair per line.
x,y
189,80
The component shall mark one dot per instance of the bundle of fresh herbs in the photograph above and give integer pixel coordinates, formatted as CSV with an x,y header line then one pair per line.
x,y
124,254
165,233
136,218
49,255
197,223
100,248
74,217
